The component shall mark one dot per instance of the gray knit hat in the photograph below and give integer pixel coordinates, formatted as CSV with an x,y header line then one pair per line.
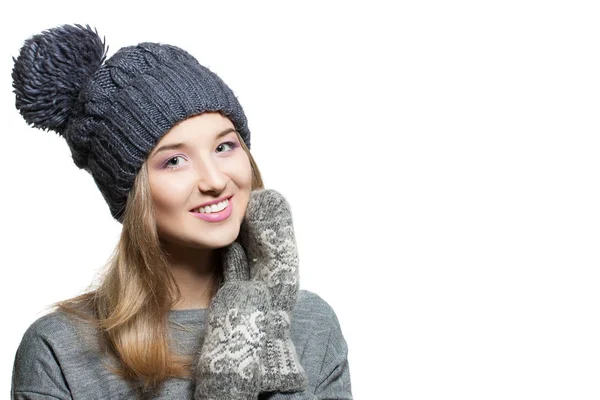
x,y
112,112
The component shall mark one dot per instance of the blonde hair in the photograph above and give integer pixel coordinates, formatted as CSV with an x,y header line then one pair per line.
x,y
129,308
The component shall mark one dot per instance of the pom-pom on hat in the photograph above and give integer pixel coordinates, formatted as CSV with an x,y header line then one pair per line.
x,y
113,111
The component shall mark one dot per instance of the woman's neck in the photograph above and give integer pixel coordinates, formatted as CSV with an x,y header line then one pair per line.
x,y
195,272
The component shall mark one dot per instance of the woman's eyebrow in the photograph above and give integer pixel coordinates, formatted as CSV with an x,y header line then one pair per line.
x,y
179,145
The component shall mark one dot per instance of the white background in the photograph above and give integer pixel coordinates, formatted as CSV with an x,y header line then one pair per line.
x,y
441,159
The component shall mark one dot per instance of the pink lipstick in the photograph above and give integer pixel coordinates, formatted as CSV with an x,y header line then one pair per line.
x,y
216,216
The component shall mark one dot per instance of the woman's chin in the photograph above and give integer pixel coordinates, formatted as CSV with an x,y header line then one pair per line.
x,y
215,241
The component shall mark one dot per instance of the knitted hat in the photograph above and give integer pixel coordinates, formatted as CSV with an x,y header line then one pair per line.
x,y
112,112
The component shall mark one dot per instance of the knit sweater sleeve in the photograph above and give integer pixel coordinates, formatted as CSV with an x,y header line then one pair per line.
x,y
334,379
323,352
37,373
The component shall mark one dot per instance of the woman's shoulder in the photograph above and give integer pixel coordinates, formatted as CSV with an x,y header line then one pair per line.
x,y
53,332
52,325
321,347
45,349
41,337
311,301
313,311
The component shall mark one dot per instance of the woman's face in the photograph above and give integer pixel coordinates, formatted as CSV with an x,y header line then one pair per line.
x,y
207,164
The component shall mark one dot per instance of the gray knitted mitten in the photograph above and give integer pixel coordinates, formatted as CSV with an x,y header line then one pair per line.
x,y
228,365
267,235
247,348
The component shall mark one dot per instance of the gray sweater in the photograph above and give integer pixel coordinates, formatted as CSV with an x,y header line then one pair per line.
x,y
55,361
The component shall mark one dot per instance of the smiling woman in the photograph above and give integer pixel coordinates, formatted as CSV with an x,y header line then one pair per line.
x,y
211,166
203,243
203,170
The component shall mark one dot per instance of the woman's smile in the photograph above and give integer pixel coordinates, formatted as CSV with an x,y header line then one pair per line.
x,y
221,212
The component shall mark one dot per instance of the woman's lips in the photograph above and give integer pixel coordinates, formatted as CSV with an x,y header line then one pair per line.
x,y
216,216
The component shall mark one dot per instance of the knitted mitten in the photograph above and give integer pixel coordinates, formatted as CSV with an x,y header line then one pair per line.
x,y
267,235
228,365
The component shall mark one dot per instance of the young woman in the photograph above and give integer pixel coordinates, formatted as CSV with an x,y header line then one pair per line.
x,y
201,297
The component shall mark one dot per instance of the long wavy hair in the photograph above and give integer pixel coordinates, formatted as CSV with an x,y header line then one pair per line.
x,y
130,305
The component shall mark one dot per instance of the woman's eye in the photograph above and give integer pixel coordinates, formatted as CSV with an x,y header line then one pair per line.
x,y
168,164
233,145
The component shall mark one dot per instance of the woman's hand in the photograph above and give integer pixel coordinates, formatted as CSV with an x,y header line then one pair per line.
x,y
229,363
267,235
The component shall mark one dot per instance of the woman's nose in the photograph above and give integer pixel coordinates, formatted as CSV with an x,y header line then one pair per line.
x,y
210,177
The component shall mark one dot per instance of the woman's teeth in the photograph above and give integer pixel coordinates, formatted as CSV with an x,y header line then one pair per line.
x,y
214,207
